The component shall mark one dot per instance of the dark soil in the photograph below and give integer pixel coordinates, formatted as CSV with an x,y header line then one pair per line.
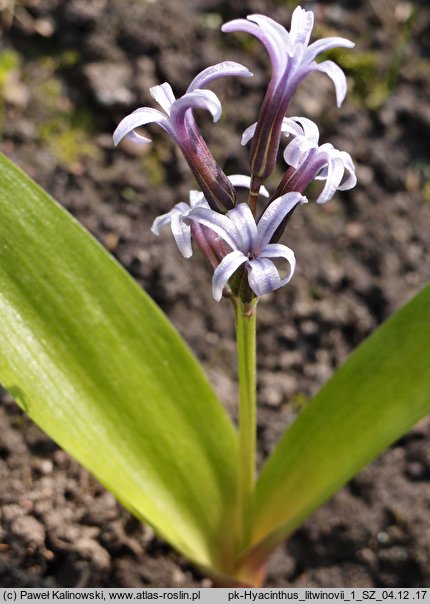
x,y
86,64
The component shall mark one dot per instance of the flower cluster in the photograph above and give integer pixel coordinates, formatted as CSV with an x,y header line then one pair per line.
x,y
239,244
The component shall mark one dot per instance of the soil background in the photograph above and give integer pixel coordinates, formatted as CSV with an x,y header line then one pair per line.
x,y
69,71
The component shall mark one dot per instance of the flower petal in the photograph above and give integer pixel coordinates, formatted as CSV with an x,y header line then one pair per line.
x,y
197,99
264,192
228,265
348,165
324,154
289,126
140,117
310,129
274,214
277,250
297,150
226,68
248,134
273,28
278,34
219,223
164,96
180,209
263,276
320,46
335,73
302,23
244,221
351,180
181,231
267,37
334,178
197,199
160,222
182,234
240,180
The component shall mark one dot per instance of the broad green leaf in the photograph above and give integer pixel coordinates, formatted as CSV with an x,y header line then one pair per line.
x,y
374,398
96,364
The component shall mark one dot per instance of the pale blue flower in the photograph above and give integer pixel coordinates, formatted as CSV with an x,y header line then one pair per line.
x,y
312,161
309,160
250,245
178,121
293,58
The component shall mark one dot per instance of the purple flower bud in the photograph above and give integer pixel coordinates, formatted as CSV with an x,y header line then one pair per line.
x,y
178,121
292,60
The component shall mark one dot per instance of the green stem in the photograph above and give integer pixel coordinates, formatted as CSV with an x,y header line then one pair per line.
x,y
246,356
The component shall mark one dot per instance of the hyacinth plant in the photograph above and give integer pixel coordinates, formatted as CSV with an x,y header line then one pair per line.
x,y
94,362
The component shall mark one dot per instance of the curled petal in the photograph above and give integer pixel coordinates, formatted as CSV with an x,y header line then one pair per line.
x,y
263,276
164,96
140,117
310,129
277,250
244,221
160,222
302,23
320,46
275,214
325,153
267,36
274,29
181,231
348,167
351,180
335,73
328,148
228,265
297,150
334,178
248,134
182,234
240,180
197,99
180,209
289,126
281,39
219,223
227,68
